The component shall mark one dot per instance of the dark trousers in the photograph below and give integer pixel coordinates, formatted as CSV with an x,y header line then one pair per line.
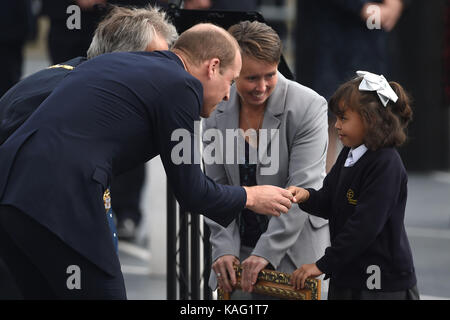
x,y
43,267
338,293
8,287
126,192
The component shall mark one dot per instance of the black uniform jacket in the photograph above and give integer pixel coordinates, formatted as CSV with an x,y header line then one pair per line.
x,y
108,115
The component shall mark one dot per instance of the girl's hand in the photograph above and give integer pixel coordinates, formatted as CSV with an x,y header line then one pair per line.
x,y
300,194
300,275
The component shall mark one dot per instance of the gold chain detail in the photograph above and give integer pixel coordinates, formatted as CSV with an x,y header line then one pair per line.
x,y
107,200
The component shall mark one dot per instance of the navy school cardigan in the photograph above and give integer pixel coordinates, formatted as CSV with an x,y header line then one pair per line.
x,y
365,205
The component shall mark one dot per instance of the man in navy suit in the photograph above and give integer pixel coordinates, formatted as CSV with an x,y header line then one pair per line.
x,y
107,116
116,32
123,29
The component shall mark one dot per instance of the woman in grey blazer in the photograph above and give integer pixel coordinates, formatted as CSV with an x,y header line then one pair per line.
x,y
283,142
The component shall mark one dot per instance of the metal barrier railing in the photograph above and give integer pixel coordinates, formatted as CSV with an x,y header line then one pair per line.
x,y
185,257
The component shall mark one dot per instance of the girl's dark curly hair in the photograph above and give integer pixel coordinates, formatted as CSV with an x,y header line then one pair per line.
x,y
386,126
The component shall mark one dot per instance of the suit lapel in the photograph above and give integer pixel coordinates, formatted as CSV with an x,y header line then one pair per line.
x,y
272,119
228,118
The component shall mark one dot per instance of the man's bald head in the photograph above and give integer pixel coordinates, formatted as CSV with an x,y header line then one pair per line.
x,y
206,41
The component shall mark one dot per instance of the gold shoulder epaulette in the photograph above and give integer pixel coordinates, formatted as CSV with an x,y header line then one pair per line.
x,y
65,66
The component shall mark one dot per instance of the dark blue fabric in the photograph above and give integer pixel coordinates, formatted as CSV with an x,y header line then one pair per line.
x,y
17,105
112,226
38,263
16,21
110,114
365,205
24,98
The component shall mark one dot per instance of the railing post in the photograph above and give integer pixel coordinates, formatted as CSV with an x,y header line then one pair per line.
x,y
195,256
189,258
207,293
183,236
171,245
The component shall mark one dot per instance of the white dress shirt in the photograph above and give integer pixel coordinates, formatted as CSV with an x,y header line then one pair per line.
x,y
354,155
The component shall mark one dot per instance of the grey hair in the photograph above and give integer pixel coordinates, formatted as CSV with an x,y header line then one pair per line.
x,y
131,29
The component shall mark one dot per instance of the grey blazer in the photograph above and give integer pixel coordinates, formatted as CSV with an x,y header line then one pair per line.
x,y
300,115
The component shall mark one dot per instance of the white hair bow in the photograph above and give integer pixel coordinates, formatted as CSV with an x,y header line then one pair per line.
x,y
378,83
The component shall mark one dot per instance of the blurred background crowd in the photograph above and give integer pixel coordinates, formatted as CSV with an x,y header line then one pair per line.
x,y
324,42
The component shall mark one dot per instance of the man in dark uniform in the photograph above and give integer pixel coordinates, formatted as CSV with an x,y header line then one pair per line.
x,y
25,97
65,43
115,33
107,116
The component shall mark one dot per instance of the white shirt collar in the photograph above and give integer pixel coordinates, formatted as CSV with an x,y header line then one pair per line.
x,y
354,155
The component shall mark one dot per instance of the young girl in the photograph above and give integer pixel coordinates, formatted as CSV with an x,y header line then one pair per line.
x,y
364,196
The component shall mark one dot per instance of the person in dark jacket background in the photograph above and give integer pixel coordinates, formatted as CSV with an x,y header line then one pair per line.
x,y
335,38
17,24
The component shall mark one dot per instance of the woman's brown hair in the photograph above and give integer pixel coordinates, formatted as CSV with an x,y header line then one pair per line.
x,y
385,126
257,40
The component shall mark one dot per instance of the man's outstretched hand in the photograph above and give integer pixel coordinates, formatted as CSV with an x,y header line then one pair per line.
x,y
268,200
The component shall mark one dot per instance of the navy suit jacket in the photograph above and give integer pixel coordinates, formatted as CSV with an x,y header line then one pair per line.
x,y
110,114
